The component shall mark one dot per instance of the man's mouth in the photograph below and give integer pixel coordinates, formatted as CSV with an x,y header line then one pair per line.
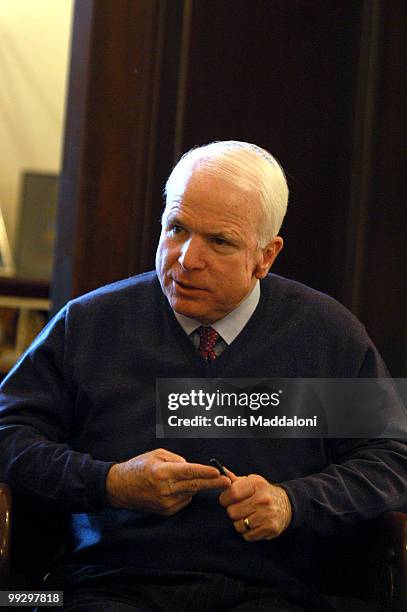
x,y
189,286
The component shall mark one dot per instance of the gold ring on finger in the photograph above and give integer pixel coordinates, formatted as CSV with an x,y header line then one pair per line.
x,y
246,523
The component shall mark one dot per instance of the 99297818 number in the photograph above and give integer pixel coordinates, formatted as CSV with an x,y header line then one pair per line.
x,y
30,598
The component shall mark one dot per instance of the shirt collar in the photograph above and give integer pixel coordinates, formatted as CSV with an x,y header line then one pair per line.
x,y
232,324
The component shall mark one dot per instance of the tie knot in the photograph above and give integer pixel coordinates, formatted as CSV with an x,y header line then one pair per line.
x,y
208,338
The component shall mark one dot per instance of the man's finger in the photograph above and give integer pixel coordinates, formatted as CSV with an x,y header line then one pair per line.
x,y
191,471
257,531
240,510
166,455
178,504
240,489
231,474
241,527
184,487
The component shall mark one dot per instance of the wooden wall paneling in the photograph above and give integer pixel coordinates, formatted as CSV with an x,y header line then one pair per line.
x,y
151,78
283,75
168,113
384,281
375,287
70,176
120,130
363,153
321,85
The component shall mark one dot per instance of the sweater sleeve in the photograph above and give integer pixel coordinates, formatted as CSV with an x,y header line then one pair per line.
x,y
363,478
36,415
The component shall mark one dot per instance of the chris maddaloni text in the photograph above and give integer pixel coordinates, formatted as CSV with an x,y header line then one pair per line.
x,y
253,421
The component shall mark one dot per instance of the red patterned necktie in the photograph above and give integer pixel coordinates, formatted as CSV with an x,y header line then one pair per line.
x,y
208,338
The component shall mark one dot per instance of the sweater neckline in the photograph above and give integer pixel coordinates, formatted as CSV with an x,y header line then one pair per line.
x,y
225,359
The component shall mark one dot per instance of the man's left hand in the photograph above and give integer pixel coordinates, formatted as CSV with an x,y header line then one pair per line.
x,y
266,506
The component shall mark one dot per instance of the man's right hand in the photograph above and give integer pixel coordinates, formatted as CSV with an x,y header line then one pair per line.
x,y
160,482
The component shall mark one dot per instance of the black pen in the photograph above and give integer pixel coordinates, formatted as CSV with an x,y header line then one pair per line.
x,y
219,467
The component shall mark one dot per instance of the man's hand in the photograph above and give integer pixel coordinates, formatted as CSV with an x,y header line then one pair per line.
x,y
160,482
266,506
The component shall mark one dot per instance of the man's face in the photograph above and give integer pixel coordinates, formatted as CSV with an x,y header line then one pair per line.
x,y
207,259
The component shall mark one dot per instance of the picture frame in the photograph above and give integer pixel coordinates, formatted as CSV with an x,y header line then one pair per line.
x,y
35,236
6,258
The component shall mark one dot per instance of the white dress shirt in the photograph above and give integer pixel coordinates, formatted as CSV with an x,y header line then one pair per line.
x,y
229,327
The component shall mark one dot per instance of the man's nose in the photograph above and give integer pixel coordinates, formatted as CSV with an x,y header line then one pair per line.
x,y
191,256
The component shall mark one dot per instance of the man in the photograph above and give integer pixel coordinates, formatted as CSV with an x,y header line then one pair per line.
x,y
158,528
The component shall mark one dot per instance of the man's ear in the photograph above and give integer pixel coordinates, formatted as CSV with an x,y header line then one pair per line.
x,y
268,256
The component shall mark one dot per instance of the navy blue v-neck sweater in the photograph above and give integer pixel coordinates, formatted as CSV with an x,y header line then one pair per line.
x,y
83,398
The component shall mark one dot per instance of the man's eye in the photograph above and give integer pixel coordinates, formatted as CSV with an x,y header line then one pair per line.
x,y
175,229
220,241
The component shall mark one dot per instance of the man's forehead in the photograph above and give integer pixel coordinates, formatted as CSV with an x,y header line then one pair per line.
x,y
201,209
204,196
202,186
236,228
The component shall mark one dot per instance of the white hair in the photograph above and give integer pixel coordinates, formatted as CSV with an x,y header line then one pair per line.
x,y
247,167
